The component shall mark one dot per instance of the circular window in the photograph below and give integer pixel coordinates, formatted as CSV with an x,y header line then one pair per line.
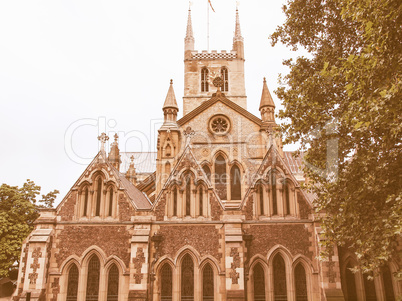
x,y
219,125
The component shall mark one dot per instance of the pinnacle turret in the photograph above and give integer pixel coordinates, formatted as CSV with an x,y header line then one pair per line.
x,y
267,105
170,107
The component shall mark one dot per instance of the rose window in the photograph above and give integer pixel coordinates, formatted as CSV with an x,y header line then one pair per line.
x,y
219,125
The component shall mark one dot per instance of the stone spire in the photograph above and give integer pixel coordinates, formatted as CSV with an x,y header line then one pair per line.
x,y
114,154
267,105
189,39
238,41
170,107
131,175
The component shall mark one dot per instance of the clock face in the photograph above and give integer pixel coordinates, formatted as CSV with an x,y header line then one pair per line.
x,y
219,125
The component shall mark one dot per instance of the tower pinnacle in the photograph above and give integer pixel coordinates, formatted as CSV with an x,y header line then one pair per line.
x,y
170,107
189,39
267,105
238,40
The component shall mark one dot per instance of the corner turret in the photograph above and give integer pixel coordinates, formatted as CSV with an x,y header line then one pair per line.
x,y
267,105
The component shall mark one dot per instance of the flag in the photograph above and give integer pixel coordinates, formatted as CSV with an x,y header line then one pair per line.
x,y
209,1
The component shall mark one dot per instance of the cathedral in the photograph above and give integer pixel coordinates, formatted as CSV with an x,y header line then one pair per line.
x,y
216,213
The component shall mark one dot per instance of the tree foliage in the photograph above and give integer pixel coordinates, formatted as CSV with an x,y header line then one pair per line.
x,y
18,211
343,101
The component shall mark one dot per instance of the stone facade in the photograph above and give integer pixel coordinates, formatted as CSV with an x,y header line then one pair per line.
x,y
222,217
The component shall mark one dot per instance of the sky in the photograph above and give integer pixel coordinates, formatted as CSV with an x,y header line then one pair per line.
x,y
70,70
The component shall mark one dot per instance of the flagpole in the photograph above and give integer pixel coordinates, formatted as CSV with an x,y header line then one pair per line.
x,y
207,25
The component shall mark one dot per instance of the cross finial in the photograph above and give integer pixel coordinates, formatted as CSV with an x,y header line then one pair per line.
x,y
188,133
103,138
132,158
116,137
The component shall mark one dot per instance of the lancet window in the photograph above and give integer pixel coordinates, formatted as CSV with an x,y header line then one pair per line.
x,y
225,78
259,283
113,284
235,183
97,200
208,283
301,283
92,293
166,283
72,285
98,196
204,80
187,279
220,177
280,290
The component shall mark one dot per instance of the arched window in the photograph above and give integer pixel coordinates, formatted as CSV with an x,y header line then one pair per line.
x,y
225,78
387,280
259,283
93,279
167,168
301,283
350,283
187,278
280,291
204,80
86,202
168,150
201,197
207,283
175,201
72,285
113,284
220,177
207,171
98,197
187,180
369,288
235,183
274,198
287,197
110,201
166,283
261,195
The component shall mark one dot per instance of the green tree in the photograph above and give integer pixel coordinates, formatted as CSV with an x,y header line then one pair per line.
x,y
349,82
18,210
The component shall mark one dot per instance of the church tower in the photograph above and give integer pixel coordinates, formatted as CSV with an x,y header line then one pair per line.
x,y
200,68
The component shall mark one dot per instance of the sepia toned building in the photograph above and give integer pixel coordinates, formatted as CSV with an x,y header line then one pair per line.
x,y
216,213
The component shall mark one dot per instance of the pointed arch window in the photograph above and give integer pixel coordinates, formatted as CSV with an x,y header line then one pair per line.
x,y
259,283
207,171
188,195
86,194
110,201
98,196
93,279
350,283
225,78
166,283
72,285
201,197
274,197
113,284
280,291
175,201
204,80
287,197
261,196
235,183
301,283
369,289
187,279
208,283
387,280
220,177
